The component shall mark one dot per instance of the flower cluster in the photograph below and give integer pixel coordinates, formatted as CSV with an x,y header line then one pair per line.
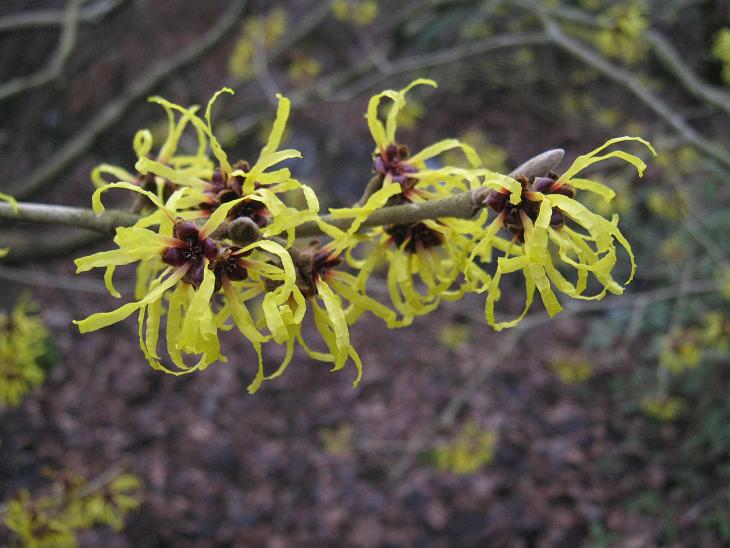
x,y
23,339
73,504
469,451
216,243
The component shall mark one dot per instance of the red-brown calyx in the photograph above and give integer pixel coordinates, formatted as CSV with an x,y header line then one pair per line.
x,y
191,250
498,200
225,189
414,236
393,161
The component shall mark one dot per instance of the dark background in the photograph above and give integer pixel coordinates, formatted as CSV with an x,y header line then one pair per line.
x,y
581,457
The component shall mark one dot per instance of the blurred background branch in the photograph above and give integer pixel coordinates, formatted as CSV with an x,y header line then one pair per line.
x,y
607,426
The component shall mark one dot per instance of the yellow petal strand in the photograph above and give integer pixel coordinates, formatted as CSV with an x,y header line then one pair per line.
x,y
98,206
326,357
109,282
215,146
277,131
442,146
497,181
10,200
152,331
377,130
198,319
104,319
336,314
115,257
241,316
274,321
581,162
375,202
119,174
391,123
142,143
176,176
364,302
218,216
594,186
178,300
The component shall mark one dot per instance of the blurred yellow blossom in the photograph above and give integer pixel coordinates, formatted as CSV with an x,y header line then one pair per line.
x,y
262,31
337,441
721,51
663,408
73,504
572,369
471,449
359,12
23,339
454,335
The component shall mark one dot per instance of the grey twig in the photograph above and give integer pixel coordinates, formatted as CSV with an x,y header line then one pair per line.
x,y
113,111
347,83
77,217
54,18
463,206
374,184
673,62
56,64
628,81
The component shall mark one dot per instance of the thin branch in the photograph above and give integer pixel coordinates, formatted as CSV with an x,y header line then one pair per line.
x,y
42,248
666,53
463,206
673,62
52,280
54,69
54,18
113,112
347,83
374,184
77,217
631,83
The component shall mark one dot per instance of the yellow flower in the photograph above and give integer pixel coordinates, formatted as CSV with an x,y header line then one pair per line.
x,y
417,249
22,343
540,220
471,449
190,259
320,281
177,169
53,519
664,408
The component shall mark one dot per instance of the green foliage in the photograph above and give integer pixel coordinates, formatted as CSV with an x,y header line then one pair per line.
x,y
469,451
359,12
721,51
23,344
73,504
265,32
572,369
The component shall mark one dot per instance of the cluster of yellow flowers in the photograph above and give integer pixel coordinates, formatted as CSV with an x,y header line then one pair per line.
x,y
359,12
52,520
22,343
471,449
684,348
195,266
721,51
